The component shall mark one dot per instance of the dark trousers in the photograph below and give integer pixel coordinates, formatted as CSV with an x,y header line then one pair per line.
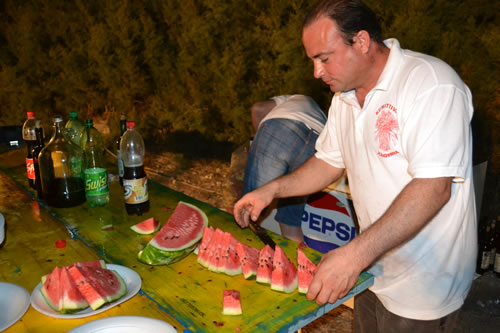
x,y
370,316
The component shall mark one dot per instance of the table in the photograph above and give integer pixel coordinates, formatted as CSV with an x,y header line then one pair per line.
x,y
184,294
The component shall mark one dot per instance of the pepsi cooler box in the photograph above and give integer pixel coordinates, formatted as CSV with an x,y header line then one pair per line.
x,y
328,220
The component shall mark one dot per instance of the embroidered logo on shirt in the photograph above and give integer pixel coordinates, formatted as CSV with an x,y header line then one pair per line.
x,y
387,130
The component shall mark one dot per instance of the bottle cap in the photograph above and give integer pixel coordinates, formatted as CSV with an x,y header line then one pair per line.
x,y
73,115
38,123
31,114
58,119
122,117
89,123
130,124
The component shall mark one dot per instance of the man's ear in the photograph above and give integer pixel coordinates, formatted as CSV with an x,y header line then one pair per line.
x,y
362,40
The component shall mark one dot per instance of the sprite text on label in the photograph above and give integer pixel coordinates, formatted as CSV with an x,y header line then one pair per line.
x,y
135,190
96,182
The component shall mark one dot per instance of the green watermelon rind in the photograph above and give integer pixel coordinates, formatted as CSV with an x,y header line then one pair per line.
x,y
119,293
195,239
46,297
152,255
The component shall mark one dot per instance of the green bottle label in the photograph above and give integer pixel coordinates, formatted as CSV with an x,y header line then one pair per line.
x,y
96,181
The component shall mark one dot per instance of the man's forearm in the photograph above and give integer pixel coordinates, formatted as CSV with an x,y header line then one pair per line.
x,y
412,209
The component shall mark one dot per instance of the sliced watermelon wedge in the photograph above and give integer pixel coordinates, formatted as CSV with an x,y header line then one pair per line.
x,y
50,290
146,227
231,303
230,262
284,275
208,233
177,238
306,271
249,259
214,252
98,285
265,268
71,300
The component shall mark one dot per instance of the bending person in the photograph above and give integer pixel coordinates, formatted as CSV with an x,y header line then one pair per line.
x,y
287,128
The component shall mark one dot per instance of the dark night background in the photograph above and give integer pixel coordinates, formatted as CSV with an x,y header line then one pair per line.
x,y
187,69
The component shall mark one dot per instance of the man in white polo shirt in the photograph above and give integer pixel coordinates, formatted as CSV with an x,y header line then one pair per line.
x,y
399,124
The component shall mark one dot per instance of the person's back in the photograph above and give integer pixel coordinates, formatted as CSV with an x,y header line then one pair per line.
x,y
287,129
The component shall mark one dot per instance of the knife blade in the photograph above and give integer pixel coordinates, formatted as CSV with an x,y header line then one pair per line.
x,y
262,234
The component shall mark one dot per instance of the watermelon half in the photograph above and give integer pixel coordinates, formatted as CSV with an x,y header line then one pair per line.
x,y
306,271
231,303
249,259
284,275
265,268
177,238
146,227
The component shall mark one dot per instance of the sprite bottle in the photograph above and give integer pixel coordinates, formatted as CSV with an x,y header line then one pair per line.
x,y
94,172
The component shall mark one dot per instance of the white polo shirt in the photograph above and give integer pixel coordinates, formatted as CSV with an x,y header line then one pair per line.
x,y
415,123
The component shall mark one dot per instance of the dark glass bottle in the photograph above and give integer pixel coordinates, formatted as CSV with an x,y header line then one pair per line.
x,y
37,148
60,164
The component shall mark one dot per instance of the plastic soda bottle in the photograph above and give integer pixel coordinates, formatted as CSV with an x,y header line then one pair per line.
x,y
123,129
94,172
135,181
73,128
60,165
37,148
29,138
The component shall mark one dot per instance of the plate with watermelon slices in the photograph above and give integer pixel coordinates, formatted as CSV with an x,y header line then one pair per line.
x,y
40,302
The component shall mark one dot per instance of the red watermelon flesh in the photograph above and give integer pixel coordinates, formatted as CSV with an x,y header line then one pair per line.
x,y
208,233
214,250
50,289
265,268
249,259
306,271
231,303
284,275
183,229
71,300
230,262
146,227
98,285
88,291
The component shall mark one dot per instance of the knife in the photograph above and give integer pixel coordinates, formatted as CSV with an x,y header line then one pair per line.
x,y
262,234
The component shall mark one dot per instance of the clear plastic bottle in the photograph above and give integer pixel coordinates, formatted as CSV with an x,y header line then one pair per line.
x,y
29,138
37,148
135,181
60,164
123,129
73,128
94,172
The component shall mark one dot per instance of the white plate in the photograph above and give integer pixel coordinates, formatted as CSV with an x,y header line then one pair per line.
x,y
125,324
131,278
14,301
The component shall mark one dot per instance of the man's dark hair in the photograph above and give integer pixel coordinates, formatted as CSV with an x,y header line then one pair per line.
x,y
351,17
